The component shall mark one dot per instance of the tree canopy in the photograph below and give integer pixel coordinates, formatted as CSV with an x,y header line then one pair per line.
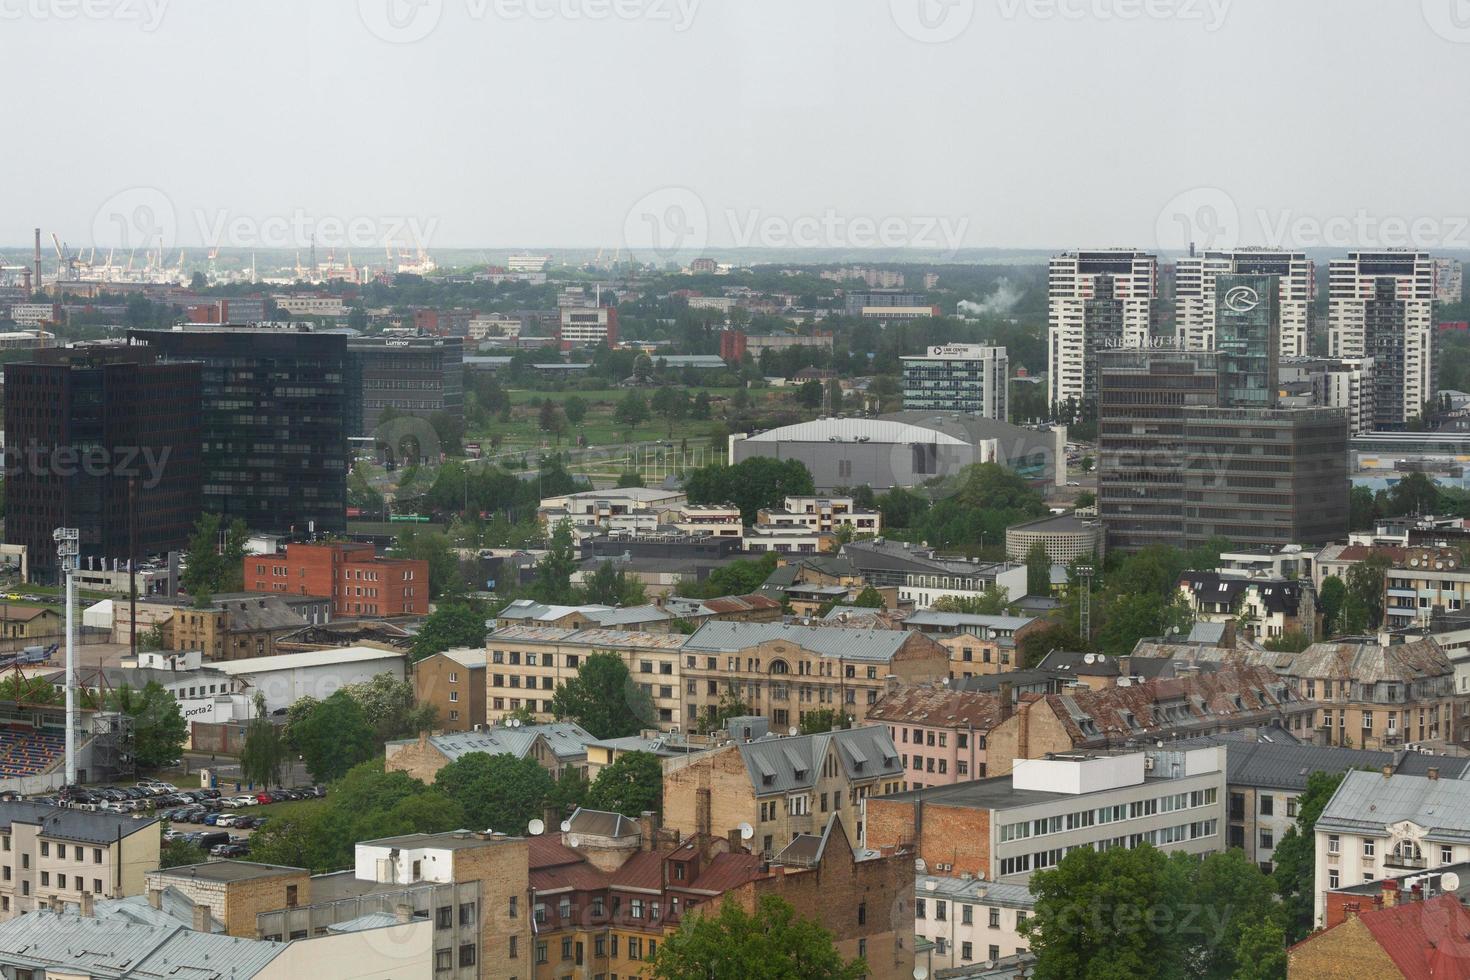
x,y
772,944
631,785
497,792
751,484
603,699
334,735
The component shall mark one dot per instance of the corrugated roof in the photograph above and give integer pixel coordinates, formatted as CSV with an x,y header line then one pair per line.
x,y
976,890
930,617
313,658
876,645
1426,940
938,707
600,638
566,739
90,826
115,948
857,430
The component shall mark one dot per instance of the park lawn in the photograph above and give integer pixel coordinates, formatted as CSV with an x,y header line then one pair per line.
x,y
610,395
289,808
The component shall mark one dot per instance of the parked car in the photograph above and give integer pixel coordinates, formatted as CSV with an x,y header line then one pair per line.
x,y
263,797
230,850
213,838
226,820
245,823
169,836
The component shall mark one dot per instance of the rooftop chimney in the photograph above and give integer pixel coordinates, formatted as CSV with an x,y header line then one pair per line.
x,y
89,909
737,843
1434,772
1388,772
1390,893
403,913
201,918
648,830
155,897
702,810
1007,694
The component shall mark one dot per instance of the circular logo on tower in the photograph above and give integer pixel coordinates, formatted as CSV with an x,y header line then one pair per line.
x,y
1242,299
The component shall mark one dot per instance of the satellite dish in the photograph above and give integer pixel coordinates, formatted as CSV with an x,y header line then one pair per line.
x,y
921,973
920,866
792,730
566,825
930,885
746,831
574,841
1449,882
536,828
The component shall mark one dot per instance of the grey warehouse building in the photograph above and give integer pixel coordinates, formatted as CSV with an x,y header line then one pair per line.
x,y
907,449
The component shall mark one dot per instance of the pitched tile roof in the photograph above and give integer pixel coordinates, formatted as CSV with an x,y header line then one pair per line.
x,y
783,765
1426,940
938,707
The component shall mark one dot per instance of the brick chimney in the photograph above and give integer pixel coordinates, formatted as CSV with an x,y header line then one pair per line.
x,y
737,843
403,913
1227,636
155,897
1006,694
89,907
1388,772
647,830
1434,772
702,810
1390,893
201,918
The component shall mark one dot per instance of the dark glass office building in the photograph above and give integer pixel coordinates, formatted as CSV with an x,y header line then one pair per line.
x,y
83,423
411,375
1247,337
274,422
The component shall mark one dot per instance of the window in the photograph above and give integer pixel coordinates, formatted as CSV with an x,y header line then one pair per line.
x,y
443,917
862,913
994,953
1268,840
967,951
96,855
45,849
541,952
941,911
1334,844
1268,805
967,914
467,954
995,918
513,906
467,914
443,960
566,948
514,947
920,908
1332,878
1446,854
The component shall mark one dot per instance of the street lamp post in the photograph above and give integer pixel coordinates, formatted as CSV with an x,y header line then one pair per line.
x,y
66,539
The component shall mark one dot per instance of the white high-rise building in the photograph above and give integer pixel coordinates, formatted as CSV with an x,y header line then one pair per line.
x,y
1449,280
1096,300
1381,305
1194,294
958,378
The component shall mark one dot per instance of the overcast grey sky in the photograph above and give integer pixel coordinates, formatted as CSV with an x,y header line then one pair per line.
x,y
676,123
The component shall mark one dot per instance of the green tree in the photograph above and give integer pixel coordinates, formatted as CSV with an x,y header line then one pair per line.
x,y
1331,601
575,409
633,784
265,753
180,853
1242,896
611,586
570,791
869,598
1034,645
701,410
553,582
215,560
603,699
159,729
630,478
1261,952
451,626
497,792
772,944
389,704
901,508
809,395
1362,509
1362,609
632,411
1295,858
822,720
1292,641
335,736
751,484
672,404
992,602
1038,570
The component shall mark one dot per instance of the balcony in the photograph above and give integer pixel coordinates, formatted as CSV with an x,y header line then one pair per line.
x,y
1400,861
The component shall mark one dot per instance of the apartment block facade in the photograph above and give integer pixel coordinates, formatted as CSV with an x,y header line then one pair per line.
x,y
1197,296
958,378
1381,305
50,857
357,580
1097,300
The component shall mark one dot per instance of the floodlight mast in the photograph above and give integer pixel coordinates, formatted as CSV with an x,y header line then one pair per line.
x,y
66,539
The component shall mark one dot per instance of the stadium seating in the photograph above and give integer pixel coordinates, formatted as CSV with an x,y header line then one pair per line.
x,y
27,752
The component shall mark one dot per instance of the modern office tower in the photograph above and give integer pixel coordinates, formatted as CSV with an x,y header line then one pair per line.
x,y
958,378
276,402
1196,294
1381,305
1326,382
411,375
1094,297
1265,477
82,424
1247,319
1176,467
1142,400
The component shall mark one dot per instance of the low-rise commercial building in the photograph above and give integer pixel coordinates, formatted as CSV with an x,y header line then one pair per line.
x,y
971,921
357,580
556,747
1009,827
288,677
1066,538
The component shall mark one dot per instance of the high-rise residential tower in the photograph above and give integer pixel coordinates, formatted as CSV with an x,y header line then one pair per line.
x,y
1196,294
1381,305
1097,300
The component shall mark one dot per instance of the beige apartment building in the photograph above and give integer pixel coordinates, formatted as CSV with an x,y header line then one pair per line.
x,y
527,663
782,671
50,856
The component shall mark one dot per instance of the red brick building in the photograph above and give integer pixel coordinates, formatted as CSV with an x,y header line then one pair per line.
x,y
352,575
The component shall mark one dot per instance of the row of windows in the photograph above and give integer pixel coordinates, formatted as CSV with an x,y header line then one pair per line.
x,y
967,913
1107,814
1023,863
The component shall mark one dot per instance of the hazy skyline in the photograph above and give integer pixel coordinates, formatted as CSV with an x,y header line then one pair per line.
x,y
666,126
